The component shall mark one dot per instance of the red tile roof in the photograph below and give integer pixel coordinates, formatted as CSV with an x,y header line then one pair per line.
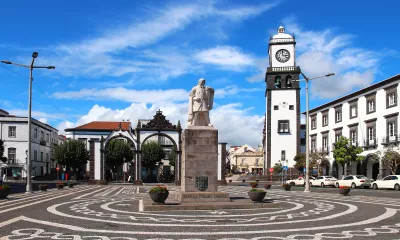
x,y
108,126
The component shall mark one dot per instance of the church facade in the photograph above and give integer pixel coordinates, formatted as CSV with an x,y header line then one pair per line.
x,y
282,133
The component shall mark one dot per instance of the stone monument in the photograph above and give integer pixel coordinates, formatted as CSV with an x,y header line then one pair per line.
x,y
200,150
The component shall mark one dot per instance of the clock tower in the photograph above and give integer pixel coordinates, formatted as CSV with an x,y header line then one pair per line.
x,y
282,140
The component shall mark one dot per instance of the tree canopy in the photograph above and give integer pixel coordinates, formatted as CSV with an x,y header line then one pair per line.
x,y
345,152
172,157
2,158
118,151
390,159
72,153
152,154
300,160
278,168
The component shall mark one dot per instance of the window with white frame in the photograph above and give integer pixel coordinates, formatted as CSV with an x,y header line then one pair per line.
x,y
392,99
353,111
371,133
337,136
325,120
325,142
371,105
35,133
313,123
313,144
353,136
283,126
41,156
41,135
257,160
391,130
12,131
11,155
47,138
47,157
243,161
35,156
338,115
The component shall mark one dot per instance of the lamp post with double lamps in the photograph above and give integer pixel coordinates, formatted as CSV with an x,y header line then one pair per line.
x,y
306,79
29,163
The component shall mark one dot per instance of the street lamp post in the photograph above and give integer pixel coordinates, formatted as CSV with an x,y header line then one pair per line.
x,y
29,163
306,79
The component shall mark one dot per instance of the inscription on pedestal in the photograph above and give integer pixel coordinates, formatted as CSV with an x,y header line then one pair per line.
x,y
201,183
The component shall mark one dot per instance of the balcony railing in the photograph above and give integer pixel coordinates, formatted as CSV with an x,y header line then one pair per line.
x,y
42,142
390,140
370,143
281,40
283,69
321,150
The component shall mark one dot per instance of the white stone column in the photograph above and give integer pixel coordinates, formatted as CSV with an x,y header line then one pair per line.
x,y
97,161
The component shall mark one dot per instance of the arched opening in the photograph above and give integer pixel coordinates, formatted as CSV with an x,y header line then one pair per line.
x,y
375,170
123,171
335,169
164,172
359,168
370,167
278,82
289,81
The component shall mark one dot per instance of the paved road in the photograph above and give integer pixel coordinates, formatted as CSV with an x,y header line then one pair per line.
x,y
112,212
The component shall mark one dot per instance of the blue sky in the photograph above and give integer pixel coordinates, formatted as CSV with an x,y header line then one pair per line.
x,y
125,59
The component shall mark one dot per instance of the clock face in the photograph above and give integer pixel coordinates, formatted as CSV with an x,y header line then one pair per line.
x,y
282,55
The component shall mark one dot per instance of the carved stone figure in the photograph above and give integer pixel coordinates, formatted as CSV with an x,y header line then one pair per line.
x,y
201,99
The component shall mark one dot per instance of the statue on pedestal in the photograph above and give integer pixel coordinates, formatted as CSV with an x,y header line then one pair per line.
x,y
201,99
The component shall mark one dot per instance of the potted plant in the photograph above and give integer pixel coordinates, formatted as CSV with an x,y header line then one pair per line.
x,y
60,185
43,187
256,195
267,186
4,191
286,186
344,190
254,184
158,194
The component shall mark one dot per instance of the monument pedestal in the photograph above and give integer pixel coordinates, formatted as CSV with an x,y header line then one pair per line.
x,y
200,166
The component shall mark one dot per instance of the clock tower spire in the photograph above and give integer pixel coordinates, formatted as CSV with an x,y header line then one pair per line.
x,y
282,142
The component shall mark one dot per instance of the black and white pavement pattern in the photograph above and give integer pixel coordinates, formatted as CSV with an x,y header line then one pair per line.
x,y
114,212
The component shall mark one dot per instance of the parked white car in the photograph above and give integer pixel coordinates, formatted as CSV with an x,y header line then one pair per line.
x,y
354,181
323,181
391,181
299,181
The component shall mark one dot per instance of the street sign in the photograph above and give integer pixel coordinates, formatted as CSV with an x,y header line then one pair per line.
x,y
271,170
285,168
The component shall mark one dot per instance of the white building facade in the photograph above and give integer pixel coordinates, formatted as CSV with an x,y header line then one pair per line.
x,y
368,117
14,133
282,141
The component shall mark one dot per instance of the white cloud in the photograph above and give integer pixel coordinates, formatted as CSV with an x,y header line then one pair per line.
x,y
43,120
261,65
124,94
226,57
106,54
36,114
146,96
325,51
230,120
